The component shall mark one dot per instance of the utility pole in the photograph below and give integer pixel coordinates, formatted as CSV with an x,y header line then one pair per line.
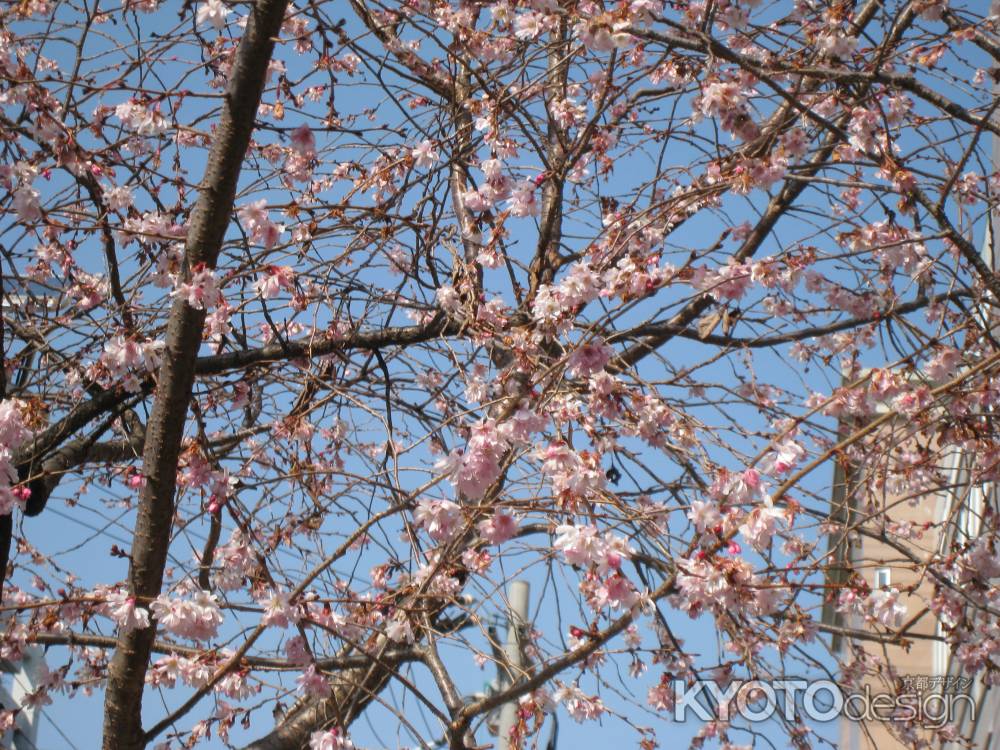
x,y
513,651
24,735
992,243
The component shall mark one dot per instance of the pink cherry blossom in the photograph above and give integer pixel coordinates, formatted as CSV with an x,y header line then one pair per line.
x,y
704,515
523,424
256,219
499,528
729,282
333,739
197,618
588,359
201,291
425,154
786,455
475,468
274,280
279,611
943,365
580,545
212,12
760,525
13,429
122,608
523,201
661,697
578,705
398,629
448,298
440,518
235,685
304,141
27,204
141,119
313,683
884,607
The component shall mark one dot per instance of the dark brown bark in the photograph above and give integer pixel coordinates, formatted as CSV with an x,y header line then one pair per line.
x,y
165,430
353,690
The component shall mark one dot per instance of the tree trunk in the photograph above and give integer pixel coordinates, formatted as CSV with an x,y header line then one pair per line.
x,y
207,230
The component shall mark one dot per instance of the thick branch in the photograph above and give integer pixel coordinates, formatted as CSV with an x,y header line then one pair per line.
x,y
763,342
346,661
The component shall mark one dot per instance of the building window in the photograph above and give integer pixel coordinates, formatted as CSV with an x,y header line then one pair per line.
x,y
882,578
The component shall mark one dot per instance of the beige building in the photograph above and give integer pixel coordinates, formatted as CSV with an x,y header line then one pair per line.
x,y
916,661
919,660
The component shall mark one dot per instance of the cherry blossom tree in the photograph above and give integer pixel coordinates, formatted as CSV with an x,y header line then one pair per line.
x,y
345,315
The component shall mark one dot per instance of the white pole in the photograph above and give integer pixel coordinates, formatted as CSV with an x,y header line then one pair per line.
x,y
25,677
517,621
